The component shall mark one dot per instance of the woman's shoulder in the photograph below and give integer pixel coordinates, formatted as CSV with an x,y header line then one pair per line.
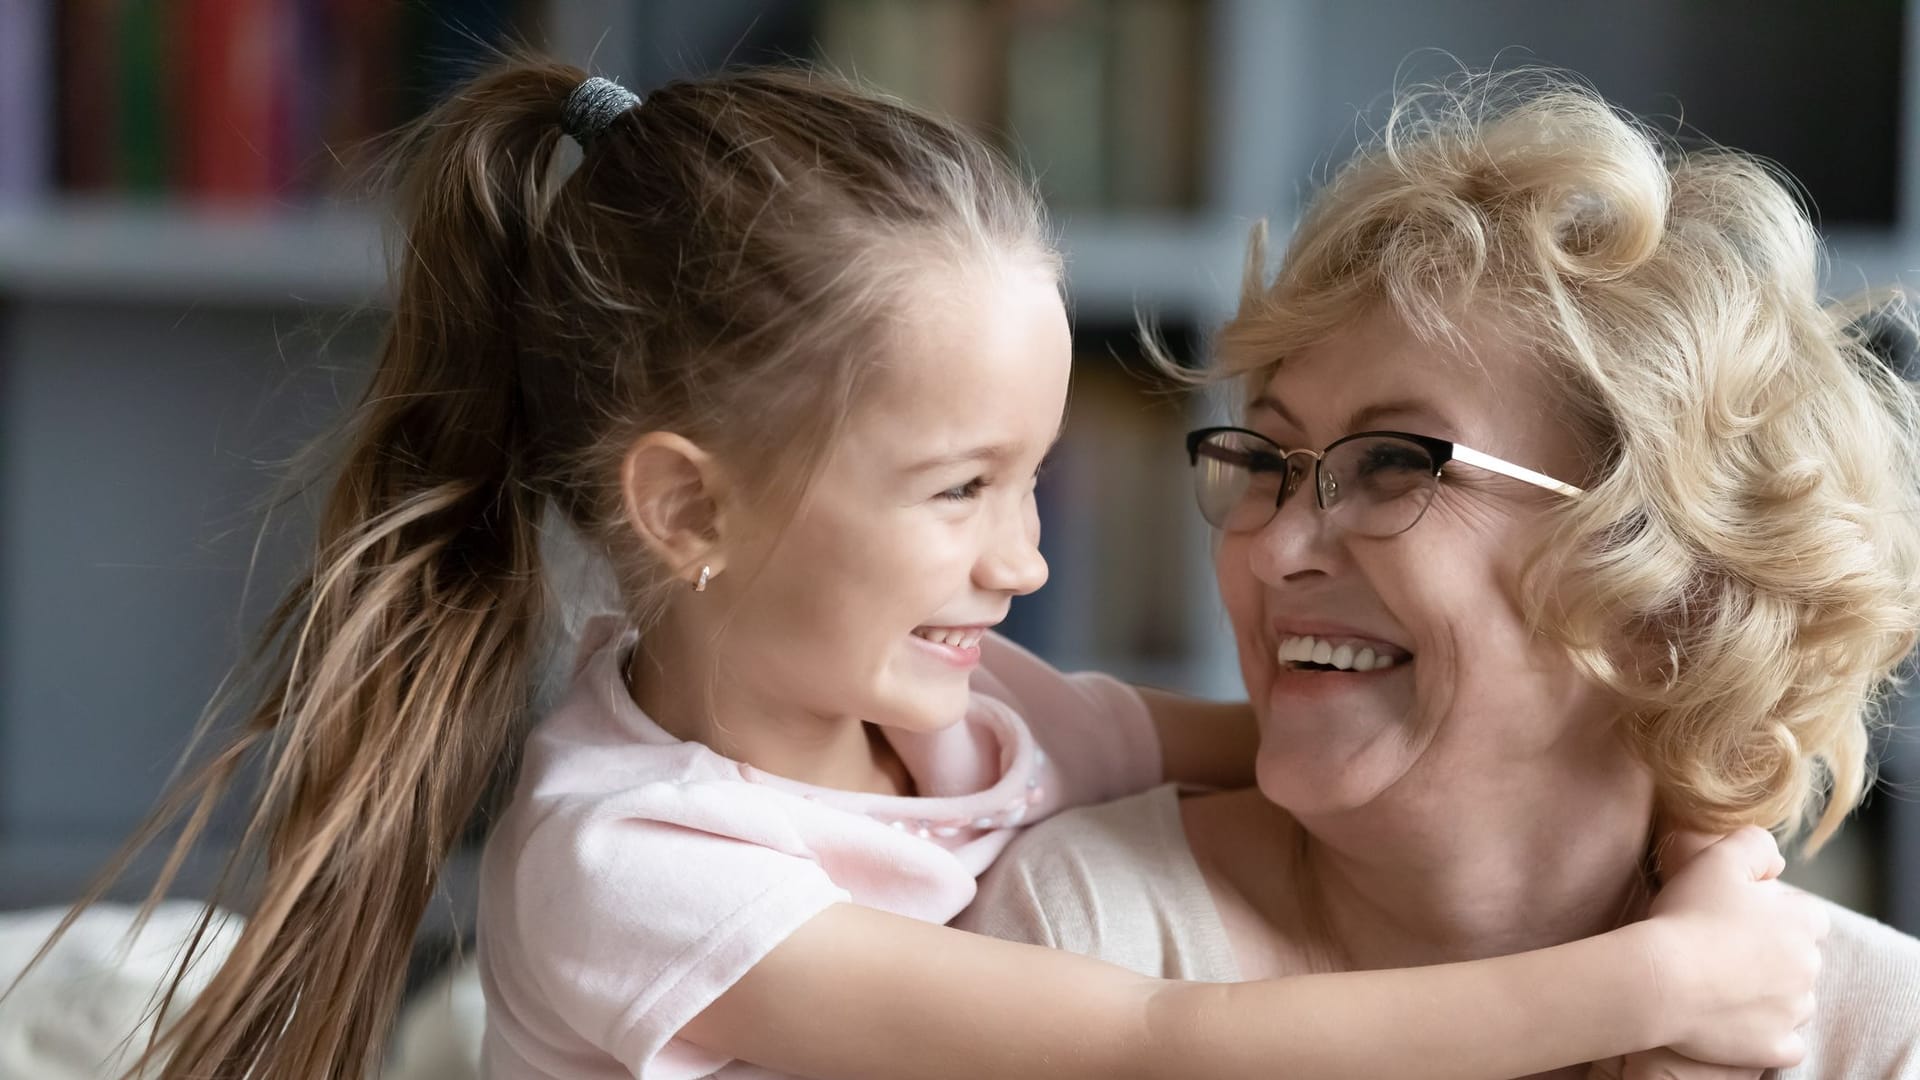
x,y
1868,1024
1870,951
1115,881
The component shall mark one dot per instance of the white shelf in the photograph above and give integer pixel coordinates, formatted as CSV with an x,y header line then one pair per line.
x,y
1177,266
121,252
1174,266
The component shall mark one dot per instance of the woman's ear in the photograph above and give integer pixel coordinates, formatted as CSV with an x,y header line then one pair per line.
x,y
672,490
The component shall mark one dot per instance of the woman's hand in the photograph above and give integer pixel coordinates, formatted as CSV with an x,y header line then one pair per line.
x,y
1741,955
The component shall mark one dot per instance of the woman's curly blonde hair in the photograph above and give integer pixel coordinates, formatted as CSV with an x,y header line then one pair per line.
x,y
1744,569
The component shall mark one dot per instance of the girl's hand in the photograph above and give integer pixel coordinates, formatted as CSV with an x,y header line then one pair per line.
x,y
1741,954
1667,1065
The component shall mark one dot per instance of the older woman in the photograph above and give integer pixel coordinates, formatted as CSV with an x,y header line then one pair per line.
x,y
1559,512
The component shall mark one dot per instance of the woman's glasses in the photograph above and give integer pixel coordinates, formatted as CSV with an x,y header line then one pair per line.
x,y
1372,483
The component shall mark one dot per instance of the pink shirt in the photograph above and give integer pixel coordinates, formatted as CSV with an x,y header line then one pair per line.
x,y
635,877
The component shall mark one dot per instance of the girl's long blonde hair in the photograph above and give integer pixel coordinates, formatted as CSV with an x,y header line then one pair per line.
x,y
722,264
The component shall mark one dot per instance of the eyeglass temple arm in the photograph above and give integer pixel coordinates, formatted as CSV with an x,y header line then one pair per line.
x,y
1518,472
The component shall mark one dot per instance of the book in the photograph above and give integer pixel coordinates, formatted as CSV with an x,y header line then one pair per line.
x,y
141,146
228,88
88,95
1057,97
26,100
1156,108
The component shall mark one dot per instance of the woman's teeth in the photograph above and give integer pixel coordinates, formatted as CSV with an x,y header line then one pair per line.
x,y
1345,657
959,638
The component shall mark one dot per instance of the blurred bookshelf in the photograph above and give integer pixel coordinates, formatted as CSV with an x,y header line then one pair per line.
x,y
208,154
178,192
127,169
331,255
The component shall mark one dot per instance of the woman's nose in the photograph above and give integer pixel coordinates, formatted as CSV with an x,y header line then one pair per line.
x,y
1299,540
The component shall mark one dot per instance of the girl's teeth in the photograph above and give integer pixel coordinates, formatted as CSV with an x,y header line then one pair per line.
x,y
1322,653
1363,660
959,639
1342,657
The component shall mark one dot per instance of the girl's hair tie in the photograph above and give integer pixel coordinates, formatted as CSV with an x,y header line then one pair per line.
x,y
594,104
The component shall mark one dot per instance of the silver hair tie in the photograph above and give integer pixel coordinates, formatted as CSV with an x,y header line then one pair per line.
x,y
593,105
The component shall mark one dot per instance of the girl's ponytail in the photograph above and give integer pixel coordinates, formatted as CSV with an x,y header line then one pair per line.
x,y
395,673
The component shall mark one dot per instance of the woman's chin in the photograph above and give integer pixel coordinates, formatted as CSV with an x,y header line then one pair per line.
x,y
1310,781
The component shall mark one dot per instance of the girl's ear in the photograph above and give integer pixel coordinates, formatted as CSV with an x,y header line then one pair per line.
x,y
672,490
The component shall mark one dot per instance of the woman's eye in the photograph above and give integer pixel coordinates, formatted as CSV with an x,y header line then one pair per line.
x,y
1393,459
965,491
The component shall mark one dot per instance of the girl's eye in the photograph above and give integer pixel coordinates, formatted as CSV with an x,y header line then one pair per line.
x,y
965,491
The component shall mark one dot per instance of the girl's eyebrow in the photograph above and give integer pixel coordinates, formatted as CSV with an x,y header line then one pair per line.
x,y
993,452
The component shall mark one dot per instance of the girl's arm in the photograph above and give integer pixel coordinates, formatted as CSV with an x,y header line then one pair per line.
x,y
1206,743
1722,971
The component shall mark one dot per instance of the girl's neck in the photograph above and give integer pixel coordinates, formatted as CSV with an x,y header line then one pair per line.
x,y
839,752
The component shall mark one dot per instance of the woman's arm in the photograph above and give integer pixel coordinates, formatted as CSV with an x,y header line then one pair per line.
x,y
1207,743
858,993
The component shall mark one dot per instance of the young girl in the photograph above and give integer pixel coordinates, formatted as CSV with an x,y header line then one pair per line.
x,y
791,354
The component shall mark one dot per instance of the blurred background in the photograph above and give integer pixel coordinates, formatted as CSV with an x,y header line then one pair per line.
x,y
190,283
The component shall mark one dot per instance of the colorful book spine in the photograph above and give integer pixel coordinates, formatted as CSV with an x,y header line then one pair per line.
x,y
1156,110
360,80
229,93
26,100
88,95
142,148
1057,99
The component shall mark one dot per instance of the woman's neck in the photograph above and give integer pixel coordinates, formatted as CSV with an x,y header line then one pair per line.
x,y
1495,880
838,751
1456,872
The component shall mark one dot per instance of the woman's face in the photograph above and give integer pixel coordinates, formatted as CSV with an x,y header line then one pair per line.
x,y
1474,700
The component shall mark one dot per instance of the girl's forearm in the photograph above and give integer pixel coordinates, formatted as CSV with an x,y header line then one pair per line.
x,y
1208,743
1510,1016
859,994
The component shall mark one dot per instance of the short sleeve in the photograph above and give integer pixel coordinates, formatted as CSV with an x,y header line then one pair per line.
x,y
1095,729
639,911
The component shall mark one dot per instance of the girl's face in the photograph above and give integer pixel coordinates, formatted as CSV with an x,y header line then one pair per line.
x,y
921,527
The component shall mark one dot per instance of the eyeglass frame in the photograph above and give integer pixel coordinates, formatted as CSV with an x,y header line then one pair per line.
x,y
1443,452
